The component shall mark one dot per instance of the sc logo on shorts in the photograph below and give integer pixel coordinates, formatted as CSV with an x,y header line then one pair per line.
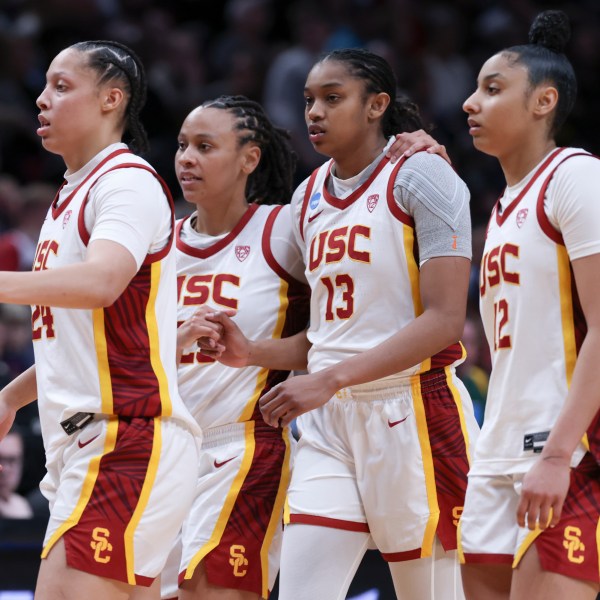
x,y
238,561
101,545
573,544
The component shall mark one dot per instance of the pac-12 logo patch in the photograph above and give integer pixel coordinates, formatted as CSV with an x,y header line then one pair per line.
x,y
521,216
314,200
242,252
67,218
372,202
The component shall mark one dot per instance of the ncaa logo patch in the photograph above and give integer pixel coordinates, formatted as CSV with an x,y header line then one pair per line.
x,y
67,218
521,216
241,252
372,202
314,200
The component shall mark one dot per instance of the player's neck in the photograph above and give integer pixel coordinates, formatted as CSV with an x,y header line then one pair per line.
x,y
220,219
518,163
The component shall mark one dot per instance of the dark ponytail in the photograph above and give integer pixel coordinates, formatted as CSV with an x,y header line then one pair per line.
x,y
401,114
115,61
546,62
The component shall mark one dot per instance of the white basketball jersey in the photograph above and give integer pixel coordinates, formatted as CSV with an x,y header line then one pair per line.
x,y
118,360
237,272
533,323
362,265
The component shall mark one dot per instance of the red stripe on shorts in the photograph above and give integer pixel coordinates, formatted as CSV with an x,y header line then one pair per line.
x,y
327,522
449,452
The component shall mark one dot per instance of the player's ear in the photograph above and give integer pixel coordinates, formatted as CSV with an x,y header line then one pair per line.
x,y
112,98
250,159
377,105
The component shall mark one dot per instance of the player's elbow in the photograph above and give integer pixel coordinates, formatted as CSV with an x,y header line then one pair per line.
x,y
106,290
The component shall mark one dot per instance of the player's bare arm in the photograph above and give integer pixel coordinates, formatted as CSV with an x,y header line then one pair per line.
x,y
545,486
283,354
20,391
97,282
444,283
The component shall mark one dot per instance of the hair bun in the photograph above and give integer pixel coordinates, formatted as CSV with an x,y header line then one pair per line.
x,y
551,29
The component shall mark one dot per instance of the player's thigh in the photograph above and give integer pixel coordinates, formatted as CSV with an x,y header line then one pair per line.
x,y
57,580
531,582
200,588
437,576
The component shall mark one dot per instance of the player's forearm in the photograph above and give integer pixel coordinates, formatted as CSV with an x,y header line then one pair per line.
x,y
72,286
427,335
581,405
20,391
288,354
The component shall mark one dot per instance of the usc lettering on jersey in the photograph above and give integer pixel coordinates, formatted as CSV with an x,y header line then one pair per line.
x,y
238,272
533,323
363,269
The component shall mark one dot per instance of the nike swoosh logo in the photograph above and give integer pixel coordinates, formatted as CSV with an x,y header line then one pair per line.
x,y
86,443
394,423
313,217
218,464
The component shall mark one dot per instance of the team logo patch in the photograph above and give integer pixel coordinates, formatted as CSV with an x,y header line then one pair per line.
x,y
67,218
372,202
314,200
242,252
521,216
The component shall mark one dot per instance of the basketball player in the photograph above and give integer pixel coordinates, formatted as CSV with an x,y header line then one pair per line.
x,y
115,430
533,500
385,424
235,252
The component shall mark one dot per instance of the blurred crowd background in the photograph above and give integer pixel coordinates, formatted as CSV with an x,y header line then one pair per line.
x,y
194,50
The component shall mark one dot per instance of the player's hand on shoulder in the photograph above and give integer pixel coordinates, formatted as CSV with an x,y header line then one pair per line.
x,y
544,490
407,143
295,396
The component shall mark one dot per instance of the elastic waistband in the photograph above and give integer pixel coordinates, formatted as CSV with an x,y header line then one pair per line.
x,y
233,432
391,388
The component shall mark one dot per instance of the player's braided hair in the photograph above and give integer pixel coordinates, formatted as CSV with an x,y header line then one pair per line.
x,y
115,61
401,114
546,62
272,180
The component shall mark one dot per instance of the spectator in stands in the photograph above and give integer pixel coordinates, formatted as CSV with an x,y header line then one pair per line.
x,y
12,505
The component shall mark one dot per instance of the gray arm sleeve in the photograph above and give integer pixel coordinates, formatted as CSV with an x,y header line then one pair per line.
x,y
428,189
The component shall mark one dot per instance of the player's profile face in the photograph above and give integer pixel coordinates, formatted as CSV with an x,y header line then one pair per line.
x,y
70,104
208,161
335,108
499,110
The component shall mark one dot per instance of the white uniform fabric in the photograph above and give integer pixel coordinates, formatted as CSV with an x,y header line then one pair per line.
x,y
240,272
352,248
343,475
78,353
488,525
531,315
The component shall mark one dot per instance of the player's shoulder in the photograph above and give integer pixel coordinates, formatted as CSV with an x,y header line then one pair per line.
x,y
578,163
